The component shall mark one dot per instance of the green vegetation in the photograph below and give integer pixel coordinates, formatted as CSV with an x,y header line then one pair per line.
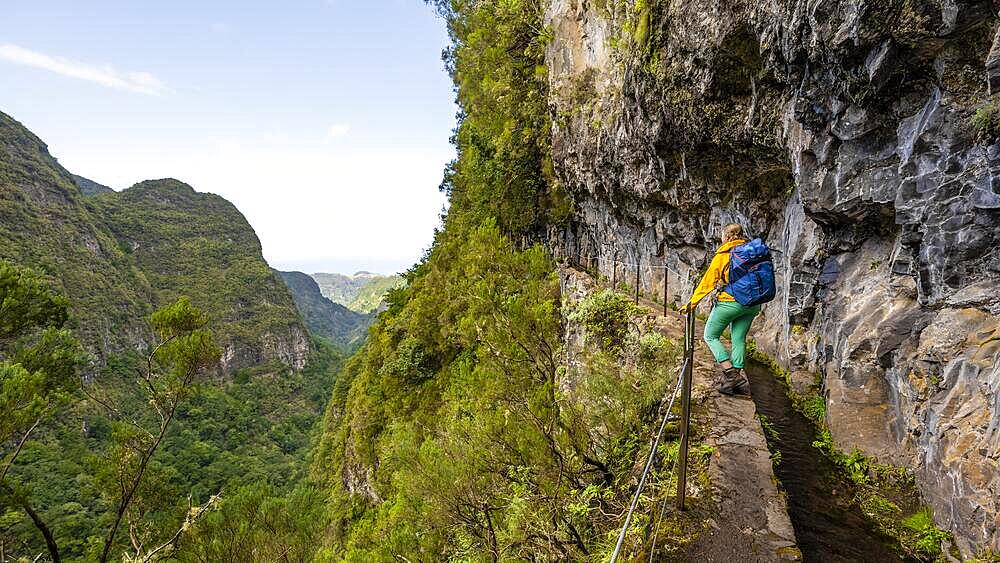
x,y
531,468
38,377
257,523
608,316
336,323
814,407
161,440
38,361
927,537
117,257
768,428
504,169
986,121
464,356
373,293
200,245
185,352
362,292
456,432
45,224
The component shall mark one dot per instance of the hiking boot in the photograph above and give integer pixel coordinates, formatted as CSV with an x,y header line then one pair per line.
x,y
734,382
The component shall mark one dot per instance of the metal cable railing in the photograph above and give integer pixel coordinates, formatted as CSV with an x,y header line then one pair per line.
x,y
684,386
633,269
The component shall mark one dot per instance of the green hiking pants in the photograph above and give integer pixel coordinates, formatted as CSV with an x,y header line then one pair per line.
x,y
727,314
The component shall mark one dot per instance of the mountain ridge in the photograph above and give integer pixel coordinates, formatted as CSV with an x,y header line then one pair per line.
x,y
119,255
362,292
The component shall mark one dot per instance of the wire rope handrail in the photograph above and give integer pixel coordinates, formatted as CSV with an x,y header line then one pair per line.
x,y
684,386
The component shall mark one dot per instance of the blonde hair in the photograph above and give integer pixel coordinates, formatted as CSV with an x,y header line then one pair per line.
x,y
731,232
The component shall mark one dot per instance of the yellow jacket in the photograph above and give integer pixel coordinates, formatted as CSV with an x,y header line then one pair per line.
x,y
718,271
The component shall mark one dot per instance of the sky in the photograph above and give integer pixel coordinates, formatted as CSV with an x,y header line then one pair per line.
x,y
326,122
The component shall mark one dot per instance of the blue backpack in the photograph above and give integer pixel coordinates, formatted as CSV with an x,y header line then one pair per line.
x,y
751,274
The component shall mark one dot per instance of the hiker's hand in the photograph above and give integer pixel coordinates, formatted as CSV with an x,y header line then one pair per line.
x,y
685,308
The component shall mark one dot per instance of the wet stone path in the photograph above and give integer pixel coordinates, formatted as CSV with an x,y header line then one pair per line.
x,y
751,521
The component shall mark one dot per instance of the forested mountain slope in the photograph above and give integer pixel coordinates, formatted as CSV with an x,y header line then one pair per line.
x,y
188,243
119,255
336,323
46,224
361,292
116,257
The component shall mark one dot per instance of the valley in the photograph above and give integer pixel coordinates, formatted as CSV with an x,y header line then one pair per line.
x,y
119,256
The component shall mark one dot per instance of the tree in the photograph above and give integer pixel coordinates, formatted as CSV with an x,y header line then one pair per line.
x,y
39,360
257,524
186,351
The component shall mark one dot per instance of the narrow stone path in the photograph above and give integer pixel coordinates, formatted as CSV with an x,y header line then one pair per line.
x,y
751,523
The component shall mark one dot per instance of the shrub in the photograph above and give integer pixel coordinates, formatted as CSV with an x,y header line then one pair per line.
x,y
814,407
928,537
608,316
986,121
655,348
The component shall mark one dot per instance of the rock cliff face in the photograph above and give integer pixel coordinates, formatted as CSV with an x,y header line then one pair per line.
x,y
860,139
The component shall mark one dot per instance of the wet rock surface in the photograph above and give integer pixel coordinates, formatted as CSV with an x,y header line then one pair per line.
x,y
843,133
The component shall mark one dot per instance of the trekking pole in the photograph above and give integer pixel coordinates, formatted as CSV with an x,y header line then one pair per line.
x,y
685,407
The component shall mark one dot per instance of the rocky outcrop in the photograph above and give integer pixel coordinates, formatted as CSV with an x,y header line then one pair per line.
x,y
843,132
89,187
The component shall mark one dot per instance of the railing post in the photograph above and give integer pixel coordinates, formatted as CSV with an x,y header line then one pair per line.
x,y
666,274
637,260
685,408
614,271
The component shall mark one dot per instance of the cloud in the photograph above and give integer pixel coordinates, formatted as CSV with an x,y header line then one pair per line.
x,y
139,82
338,130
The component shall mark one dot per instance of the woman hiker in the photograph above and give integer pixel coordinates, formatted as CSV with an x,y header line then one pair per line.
x,y
726,313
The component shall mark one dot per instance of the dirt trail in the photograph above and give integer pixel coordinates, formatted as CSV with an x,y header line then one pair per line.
x,y
751,523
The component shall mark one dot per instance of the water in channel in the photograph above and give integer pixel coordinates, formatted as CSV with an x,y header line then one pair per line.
x,y
829,528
